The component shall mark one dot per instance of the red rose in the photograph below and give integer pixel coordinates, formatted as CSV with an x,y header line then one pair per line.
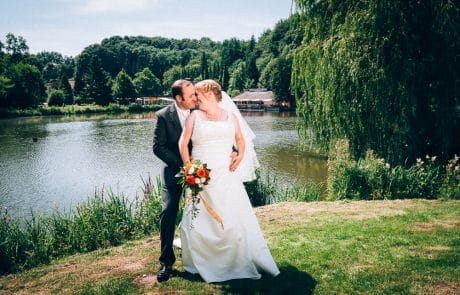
x,y
190,180
201,173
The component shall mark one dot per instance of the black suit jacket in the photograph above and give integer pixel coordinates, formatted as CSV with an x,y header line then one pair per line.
x,y
166,143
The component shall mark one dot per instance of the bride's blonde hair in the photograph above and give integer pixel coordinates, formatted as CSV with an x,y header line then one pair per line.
x,y
206,86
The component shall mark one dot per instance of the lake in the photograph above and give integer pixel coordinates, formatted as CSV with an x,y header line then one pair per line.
x,y
53,163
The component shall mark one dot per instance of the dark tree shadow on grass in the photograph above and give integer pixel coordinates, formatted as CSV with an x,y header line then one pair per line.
x,y
289,281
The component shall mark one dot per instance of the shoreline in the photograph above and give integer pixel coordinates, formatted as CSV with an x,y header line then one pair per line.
x,y
10,113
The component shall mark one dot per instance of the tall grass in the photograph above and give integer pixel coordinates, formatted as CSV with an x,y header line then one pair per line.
x,y
104,220
267,189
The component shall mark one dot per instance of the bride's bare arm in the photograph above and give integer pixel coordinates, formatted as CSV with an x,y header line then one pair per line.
x,y
240,144
185,138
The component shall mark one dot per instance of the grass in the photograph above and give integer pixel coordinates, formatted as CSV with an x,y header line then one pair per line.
x,y
346,247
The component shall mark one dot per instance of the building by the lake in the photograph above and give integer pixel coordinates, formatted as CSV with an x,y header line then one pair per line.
x,y
154,101
255,99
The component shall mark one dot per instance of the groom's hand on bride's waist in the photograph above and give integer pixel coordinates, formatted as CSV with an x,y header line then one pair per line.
x,y
235,161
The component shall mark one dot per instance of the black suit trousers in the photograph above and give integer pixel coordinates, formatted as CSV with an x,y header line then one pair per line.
x,y
170,196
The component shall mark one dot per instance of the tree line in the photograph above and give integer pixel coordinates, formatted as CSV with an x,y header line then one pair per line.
x,y
121,68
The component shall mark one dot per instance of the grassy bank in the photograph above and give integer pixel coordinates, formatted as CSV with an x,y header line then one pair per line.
x,y
378,247
76,110
104,220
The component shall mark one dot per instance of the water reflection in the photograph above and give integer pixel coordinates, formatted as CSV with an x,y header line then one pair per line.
x,y
74,155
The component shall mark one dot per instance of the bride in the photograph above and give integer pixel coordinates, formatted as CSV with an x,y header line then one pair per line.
x,y
237,249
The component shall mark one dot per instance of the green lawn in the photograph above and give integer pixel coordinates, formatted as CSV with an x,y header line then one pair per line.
x,y
373,247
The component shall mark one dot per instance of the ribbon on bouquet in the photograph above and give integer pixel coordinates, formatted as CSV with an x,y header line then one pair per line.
x,y
208,208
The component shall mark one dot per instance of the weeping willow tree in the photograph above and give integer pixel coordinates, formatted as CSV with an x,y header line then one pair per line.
x,y
383,74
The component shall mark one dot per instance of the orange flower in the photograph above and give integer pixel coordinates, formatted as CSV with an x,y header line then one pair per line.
x,y
187,167
201,173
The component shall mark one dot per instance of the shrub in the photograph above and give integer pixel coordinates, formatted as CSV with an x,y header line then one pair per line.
x,y
371,178
135,108
450,187
56,98
115,108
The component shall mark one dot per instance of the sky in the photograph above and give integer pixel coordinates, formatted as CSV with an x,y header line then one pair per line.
x,y
68,26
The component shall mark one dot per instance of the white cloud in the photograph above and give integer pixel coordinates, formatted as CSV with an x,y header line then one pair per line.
x,y
114,6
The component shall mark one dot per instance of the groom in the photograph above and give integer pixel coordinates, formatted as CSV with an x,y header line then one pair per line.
x,y
170,121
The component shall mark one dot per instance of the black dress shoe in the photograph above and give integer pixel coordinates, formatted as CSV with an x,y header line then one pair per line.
x,y
164,273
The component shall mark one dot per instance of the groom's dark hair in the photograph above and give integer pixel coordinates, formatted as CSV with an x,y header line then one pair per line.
x,y
176,87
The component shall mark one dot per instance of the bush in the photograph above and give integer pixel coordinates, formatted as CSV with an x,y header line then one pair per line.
x,y
371,178
56,98
115,108
450,187
135,108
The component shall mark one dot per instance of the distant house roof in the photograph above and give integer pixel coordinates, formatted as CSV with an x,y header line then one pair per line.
x,y
72,83
255,95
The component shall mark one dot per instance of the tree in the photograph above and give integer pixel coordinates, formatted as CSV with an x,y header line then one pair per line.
x,y
28,89
231,51
382,74
146,83
237,78
204,66
171,75
192,71
5,85
123,87
98,83
64,85
56,98
251,72
16,46
277,77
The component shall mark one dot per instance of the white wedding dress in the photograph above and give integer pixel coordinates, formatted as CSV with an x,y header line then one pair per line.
x,y
239,250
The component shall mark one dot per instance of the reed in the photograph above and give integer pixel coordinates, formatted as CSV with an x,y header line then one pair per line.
x,y
267,189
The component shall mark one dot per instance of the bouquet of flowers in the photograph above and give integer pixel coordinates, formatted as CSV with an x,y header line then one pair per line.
x,y
193,176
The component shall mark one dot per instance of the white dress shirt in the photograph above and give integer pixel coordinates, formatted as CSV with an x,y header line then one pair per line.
x,y
183,114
